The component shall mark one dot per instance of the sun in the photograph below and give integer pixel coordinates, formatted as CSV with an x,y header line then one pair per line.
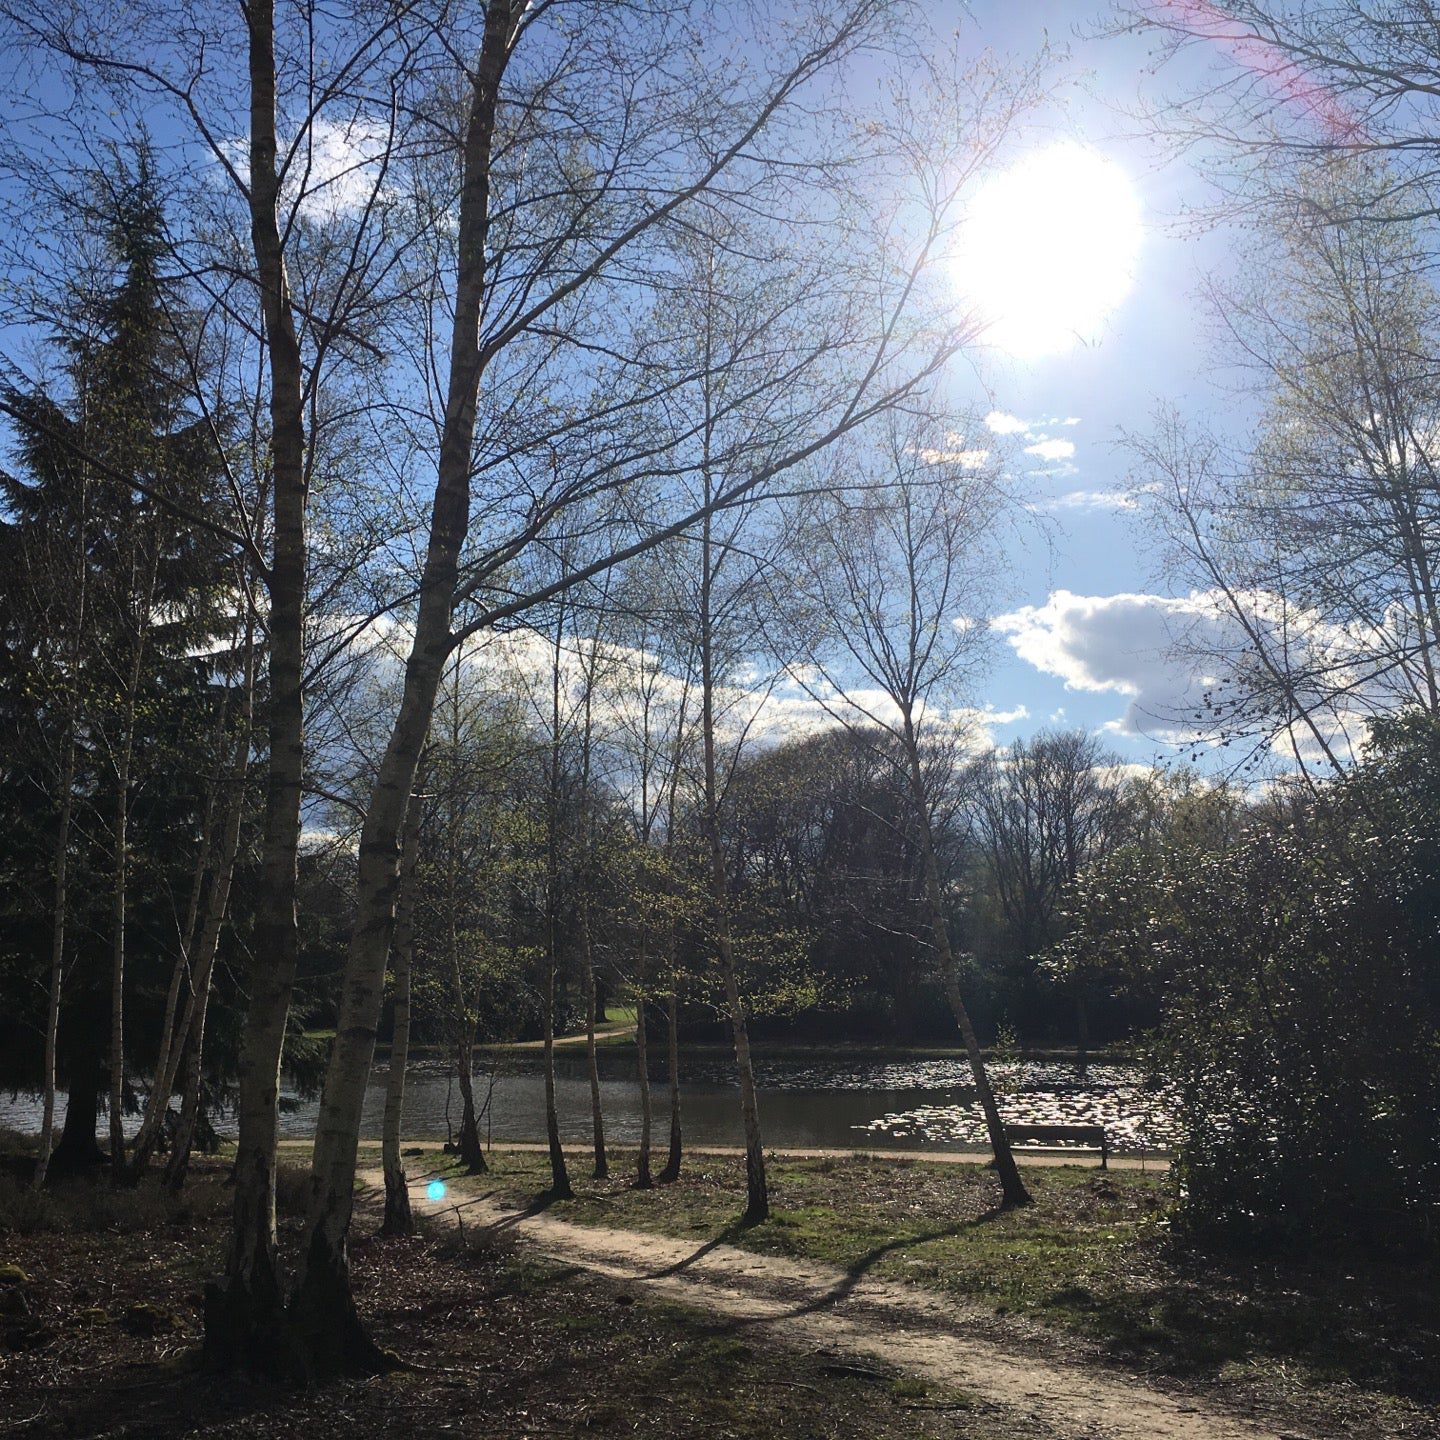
x,y
1049,249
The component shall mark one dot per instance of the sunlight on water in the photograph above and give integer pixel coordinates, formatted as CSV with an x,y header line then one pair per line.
x,y
892,1102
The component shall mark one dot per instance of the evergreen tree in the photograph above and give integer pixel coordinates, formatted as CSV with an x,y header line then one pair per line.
x,y
117,612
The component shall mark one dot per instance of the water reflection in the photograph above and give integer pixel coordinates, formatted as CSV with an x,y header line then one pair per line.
x,y
891,1104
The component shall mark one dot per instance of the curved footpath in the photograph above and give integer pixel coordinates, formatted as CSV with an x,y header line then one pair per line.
x,y
807,1305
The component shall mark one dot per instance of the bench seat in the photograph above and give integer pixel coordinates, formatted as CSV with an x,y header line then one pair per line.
x,y
1041,1137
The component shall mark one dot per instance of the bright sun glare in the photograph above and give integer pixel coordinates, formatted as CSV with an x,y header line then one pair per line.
x,y
1049,249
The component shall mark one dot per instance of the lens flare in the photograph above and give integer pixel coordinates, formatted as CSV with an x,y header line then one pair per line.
x,y
435,1190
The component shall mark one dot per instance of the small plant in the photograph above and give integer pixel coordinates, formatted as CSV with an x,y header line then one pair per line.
x,y
1007,1070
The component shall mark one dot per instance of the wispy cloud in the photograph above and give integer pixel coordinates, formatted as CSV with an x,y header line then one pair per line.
x,y
1050,449
966,457
1092,500
1125,499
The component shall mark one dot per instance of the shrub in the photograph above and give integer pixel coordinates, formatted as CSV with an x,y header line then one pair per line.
x,y
1299,975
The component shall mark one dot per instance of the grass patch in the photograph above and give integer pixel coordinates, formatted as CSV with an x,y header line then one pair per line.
x,y
1092,1257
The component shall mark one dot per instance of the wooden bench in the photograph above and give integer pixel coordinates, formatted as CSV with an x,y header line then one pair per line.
x,y
1048,1137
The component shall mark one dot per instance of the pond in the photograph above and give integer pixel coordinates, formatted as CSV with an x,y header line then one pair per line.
x,y
898,1103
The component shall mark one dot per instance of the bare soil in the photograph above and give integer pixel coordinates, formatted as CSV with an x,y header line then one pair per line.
x,y
100,1337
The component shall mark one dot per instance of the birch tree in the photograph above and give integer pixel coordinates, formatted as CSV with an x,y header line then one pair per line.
x,y
398,1219
898,559
529,387
874,355
300,255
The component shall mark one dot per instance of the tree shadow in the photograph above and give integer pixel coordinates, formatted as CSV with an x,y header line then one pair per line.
x,y
851,1274
730,1233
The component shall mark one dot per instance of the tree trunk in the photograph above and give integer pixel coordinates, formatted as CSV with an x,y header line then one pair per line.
x,y
559,1175
642,1075
1082,1033
78,1149
328,1332
757,1205
62,851
757,1193
472,1152
169,1052
326,1325
199,958
587,964
244,1311
121,881
671,1173
398,1220
57,950
1012,1188
191,1039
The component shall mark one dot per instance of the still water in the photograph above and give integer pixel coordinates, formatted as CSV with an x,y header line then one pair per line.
x,y
875,1103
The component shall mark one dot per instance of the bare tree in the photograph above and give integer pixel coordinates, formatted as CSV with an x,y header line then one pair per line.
x,y
578,659
738,119
898,559
595,657
548,257
653,728
1046,808
466,857
1269,89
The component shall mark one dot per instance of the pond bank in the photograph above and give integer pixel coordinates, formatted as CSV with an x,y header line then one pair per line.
x,y
1157,1164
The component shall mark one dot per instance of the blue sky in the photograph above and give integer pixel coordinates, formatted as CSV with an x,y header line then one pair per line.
x,y
1086,605
1086,601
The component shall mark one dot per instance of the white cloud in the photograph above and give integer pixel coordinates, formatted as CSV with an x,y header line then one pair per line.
x,y
965,459
1092,500
980,722
999,423
342,167
1101,642
1122,645
1126,499
1167,656
1049,449
339,170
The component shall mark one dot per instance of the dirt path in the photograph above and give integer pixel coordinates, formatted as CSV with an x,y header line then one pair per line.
x,y
815,1305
